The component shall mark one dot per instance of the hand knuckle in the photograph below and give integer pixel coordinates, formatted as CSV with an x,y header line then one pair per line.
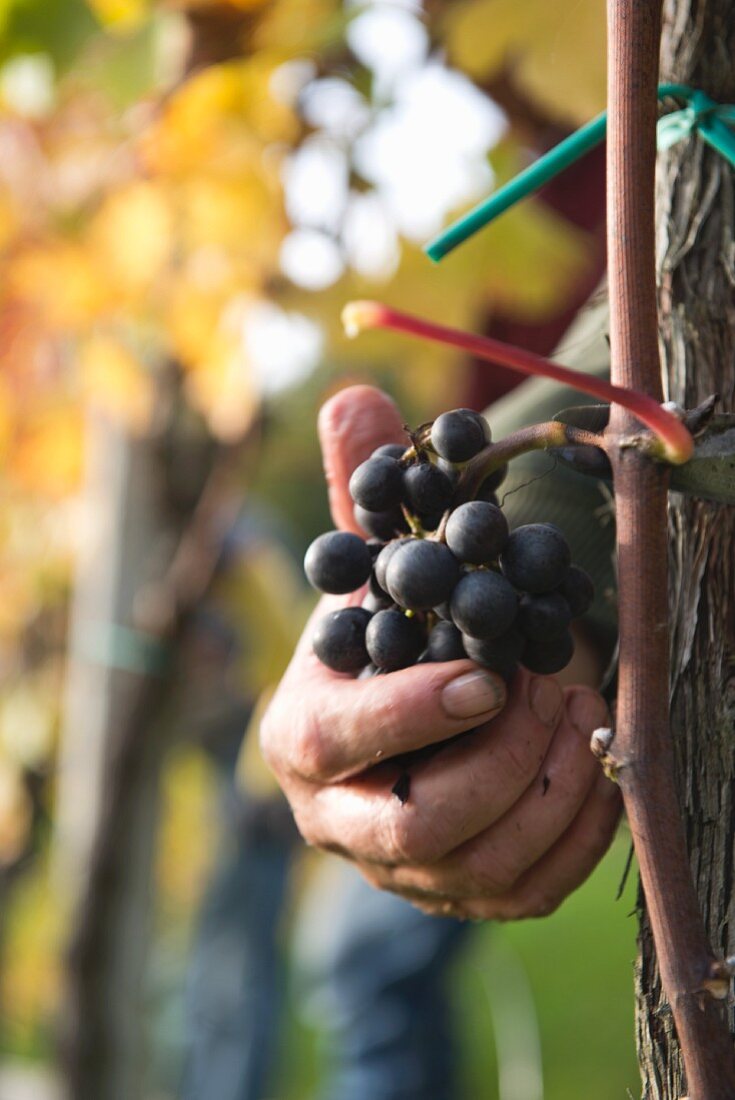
x,y
267,736
402,836
310,755
397,835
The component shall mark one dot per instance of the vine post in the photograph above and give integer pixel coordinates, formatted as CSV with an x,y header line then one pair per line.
x,y
691,977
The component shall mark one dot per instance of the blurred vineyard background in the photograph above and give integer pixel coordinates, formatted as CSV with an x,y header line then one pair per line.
x,y
189,192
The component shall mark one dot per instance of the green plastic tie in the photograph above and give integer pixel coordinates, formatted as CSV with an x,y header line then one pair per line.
x,y
704,115
701,114
116,646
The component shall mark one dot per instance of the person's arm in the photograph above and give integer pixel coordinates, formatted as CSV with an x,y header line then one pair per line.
x,y
501,824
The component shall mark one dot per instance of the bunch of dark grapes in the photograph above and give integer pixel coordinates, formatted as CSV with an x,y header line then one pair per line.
x,y
445,577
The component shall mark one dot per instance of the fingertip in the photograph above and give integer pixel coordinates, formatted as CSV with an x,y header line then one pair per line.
x,y
363,416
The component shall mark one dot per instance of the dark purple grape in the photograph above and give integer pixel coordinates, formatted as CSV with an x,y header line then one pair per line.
x,y
545,617
383,558
376,599
381,525
554,527
578,590
377,484
476,532
448,469
500,655
426,489
550,656
444,611
339,639
536,557
373,603
421,574
392,450
393,641
459,435
337,562
483,604
445,643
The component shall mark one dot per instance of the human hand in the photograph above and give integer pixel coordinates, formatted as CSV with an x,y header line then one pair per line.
x,y
501,824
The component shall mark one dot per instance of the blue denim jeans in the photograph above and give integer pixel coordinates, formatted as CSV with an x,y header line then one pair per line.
x,y
382,997
379,987
235,982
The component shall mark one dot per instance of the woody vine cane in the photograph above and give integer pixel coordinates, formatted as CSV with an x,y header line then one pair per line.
x,y
641,750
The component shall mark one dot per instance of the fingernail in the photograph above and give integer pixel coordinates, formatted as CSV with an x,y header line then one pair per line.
x,y
586,711
545,699
473,694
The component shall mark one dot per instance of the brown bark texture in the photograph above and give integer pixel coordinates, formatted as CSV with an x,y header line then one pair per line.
x,y
696,275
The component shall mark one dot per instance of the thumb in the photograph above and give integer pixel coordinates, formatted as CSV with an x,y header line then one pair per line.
x,y
351,425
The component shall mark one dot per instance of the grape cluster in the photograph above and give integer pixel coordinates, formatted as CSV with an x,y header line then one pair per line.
x,y
446,578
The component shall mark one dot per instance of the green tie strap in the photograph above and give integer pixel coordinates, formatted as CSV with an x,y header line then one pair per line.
x,y
701,114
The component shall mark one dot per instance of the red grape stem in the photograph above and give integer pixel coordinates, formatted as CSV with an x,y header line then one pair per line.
x,y
673,442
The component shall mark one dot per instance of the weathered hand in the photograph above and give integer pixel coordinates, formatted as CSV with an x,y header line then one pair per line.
x,y
501,824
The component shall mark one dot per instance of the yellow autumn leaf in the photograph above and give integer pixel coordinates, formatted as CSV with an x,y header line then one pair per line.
x,y
220,117
62,282
555,52
187,833
294,28
7,417
131,236
120,15
9,218
243,216
266,596
543,260
113,379
221,387
32,972
191,322
48,454
198,298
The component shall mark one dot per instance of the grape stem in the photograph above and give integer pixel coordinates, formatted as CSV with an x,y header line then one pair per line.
x,y
535,437
673,441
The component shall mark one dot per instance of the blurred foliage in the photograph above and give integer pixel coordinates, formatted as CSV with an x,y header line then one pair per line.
x,y
143,149
557,55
